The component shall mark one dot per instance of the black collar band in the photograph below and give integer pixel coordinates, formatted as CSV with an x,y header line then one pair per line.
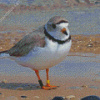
x,y
56,40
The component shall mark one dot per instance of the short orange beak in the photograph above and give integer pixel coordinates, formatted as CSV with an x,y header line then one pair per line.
x,y
63,30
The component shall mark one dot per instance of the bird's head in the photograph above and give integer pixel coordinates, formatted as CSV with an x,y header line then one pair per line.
x,y
57,27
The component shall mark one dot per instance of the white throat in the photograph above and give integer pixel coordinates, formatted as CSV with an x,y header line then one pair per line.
x,y
57,34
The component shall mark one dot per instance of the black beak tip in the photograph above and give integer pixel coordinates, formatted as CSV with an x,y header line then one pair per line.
x,y
65,33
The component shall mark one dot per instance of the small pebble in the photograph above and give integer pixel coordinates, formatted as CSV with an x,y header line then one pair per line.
x,y
19,88
90,45
58,98
84,86
4,81
36,96
69,97
23,96
92,97
11,98
0,93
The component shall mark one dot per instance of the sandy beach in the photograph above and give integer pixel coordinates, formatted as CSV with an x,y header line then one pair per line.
x,y
74,77
78,74
28,87
79,87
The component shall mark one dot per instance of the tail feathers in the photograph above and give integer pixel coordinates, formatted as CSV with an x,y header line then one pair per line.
x,y
4,54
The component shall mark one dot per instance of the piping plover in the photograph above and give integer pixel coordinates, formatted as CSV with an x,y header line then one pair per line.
x,y
43,48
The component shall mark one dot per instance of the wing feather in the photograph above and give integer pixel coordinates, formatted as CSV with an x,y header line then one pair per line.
x,y
22,48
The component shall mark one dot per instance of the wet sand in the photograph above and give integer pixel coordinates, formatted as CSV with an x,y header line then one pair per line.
x,y
75,77
68,86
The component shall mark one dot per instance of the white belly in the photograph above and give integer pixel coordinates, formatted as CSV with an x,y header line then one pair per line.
x,y
42,58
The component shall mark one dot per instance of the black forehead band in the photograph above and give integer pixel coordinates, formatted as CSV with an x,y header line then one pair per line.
x,y
62,21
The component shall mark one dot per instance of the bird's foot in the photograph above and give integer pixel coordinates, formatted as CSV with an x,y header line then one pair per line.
x,y
48,88
48,85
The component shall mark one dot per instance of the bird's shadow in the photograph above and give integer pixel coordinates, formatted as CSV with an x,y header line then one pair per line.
x,y
20,86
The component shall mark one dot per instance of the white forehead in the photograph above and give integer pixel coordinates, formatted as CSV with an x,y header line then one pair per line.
x,y
62,25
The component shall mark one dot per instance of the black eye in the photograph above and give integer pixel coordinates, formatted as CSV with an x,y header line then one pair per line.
x,y
54,26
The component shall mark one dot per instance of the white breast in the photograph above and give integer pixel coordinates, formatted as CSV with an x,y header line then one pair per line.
x,y
42,58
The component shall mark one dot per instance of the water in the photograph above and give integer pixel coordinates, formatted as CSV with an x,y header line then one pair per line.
x,y
86,21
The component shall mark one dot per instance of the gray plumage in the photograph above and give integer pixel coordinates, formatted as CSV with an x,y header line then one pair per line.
x,y
56,19
26,44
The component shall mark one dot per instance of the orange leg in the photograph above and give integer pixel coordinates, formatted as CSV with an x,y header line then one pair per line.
x,y
40,81
48,81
